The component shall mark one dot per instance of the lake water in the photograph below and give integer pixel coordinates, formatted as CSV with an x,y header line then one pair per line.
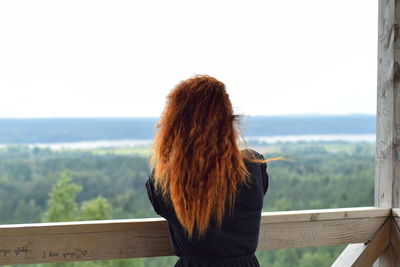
x,y
268,139
310,138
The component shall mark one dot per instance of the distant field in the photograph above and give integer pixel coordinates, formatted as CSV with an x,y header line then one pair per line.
x,y
274,148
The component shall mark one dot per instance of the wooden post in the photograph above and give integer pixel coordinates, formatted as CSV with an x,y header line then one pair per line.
x,y
387,169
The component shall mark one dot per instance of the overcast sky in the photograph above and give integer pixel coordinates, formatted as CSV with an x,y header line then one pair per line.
x,y
121,58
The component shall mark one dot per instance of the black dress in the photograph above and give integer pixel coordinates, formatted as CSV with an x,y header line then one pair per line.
x,y
234,245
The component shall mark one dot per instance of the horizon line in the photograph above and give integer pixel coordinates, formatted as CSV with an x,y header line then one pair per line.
x,y
155,117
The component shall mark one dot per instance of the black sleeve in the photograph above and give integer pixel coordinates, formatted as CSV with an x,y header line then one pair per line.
x,y
264,177
153,197
264,174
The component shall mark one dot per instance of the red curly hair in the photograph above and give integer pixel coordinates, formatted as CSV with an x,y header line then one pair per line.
x,y
196,158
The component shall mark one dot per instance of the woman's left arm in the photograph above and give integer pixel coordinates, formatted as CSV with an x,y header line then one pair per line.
x,y
153,197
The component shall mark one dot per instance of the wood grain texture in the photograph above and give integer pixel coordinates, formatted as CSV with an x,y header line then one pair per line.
x,y
396,212
387,169
318,233
349,255
96,240
388,78
361,255
397,221
390,258
395,239
379,243
324,214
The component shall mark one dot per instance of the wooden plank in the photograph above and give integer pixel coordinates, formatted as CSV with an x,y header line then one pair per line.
x,y
324,214
397,221
35,244
390,258
379,243
96,240
361,255
154,223
387,168
396,212
349,255
388,70
317,233
150,224
395,238
388,116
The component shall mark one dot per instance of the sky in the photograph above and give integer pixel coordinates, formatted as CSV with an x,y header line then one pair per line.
x,y
121,58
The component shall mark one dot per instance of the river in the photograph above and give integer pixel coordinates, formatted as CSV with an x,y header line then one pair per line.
x,y
268,139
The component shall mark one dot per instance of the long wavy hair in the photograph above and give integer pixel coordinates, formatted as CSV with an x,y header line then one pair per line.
x,y
196,158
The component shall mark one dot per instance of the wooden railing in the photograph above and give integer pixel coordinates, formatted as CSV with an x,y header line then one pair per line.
x,y
116,239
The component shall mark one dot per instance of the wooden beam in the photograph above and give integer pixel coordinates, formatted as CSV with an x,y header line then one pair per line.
x,y
387,168
349,255
396,212
316,227
361,255
395,233
395,237
324,214
98,240
397,222
396,217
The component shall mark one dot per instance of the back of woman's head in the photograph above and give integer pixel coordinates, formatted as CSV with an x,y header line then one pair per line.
x,y
196,158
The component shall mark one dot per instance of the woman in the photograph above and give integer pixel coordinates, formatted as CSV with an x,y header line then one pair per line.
x,y
210,192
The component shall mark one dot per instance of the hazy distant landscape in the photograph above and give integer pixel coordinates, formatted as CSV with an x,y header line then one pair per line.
x,y
27,131
107,181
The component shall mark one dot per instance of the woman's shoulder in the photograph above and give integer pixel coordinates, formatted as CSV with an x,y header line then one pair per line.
x,y
251,154
252,160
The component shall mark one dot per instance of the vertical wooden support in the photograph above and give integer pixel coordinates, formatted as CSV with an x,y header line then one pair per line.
x,y
387,139
387,169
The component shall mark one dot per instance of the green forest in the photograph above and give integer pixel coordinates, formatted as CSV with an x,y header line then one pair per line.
x,y
43,185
